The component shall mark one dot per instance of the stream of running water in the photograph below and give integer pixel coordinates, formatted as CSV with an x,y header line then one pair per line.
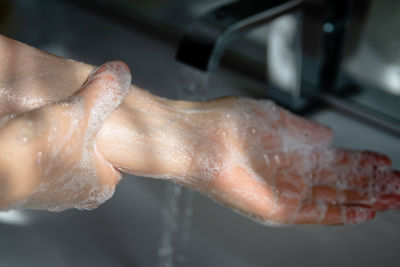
x,y
178,211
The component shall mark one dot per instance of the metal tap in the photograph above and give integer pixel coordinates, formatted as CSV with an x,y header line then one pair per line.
x,y
323,33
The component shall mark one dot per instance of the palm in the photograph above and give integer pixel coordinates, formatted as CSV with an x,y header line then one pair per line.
x,y
279,168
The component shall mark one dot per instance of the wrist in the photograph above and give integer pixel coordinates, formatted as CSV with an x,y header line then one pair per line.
x,y
148,136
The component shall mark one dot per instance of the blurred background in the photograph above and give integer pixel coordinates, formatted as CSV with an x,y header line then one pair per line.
x,y
334,62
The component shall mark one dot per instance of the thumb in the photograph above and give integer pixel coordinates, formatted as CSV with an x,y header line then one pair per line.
x,y
102,93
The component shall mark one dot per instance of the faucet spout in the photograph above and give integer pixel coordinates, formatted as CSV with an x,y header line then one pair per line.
x,y
207,38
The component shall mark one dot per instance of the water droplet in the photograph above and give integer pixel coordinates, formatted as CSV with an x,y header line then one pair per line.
x,y
252,131
39,158
277,159
25,139
266,159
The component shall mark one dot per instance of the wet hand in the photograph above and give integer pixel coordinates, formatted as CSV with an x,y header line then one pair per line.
x,y
50,154
279,168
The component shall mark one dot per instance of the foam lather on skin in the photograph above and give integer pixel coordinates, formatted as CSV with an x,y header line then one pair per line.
x,y
73,173
278,168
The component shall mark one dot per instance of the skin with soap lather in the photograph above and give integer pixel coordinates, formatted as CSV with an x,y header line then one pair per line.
x,y
281,168
249,155
62,166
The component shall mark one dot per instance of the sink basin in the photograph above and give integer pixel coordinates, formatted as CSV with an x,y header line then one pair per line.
x,y
126,230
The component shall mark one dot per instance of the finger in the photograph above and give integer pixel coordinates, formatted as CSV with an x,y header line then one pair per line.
x,y
387,202
349,169
309,213
385,182
103,92
353,214
334,196
317,213
380,181
360,159
383,195
388,193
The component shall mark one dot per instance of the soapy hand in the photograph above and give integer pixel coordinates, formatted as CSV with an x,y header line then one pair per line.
x,y
59,166
279,168
250,155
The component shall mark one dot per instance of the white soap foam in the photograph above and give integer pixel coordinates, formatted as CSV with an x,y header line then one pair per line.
x,y
80,178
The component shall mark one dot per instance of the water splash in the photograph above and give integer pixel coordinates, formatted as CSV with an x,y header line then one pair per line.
x,y
178,212
193,84
169,225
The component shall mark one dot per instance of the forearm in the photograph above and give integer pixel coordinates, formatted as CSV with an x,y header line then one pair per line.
x,y
31,78
147,135
139,137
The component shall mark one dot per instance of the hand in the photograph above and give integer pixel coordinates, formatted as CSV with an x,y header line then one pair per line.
x,y
51,154
279,168
31,78
250,155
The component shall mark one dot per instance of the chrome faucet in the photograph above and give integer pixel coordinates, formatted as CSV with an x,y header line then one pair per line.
x,y
321,42
210,35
